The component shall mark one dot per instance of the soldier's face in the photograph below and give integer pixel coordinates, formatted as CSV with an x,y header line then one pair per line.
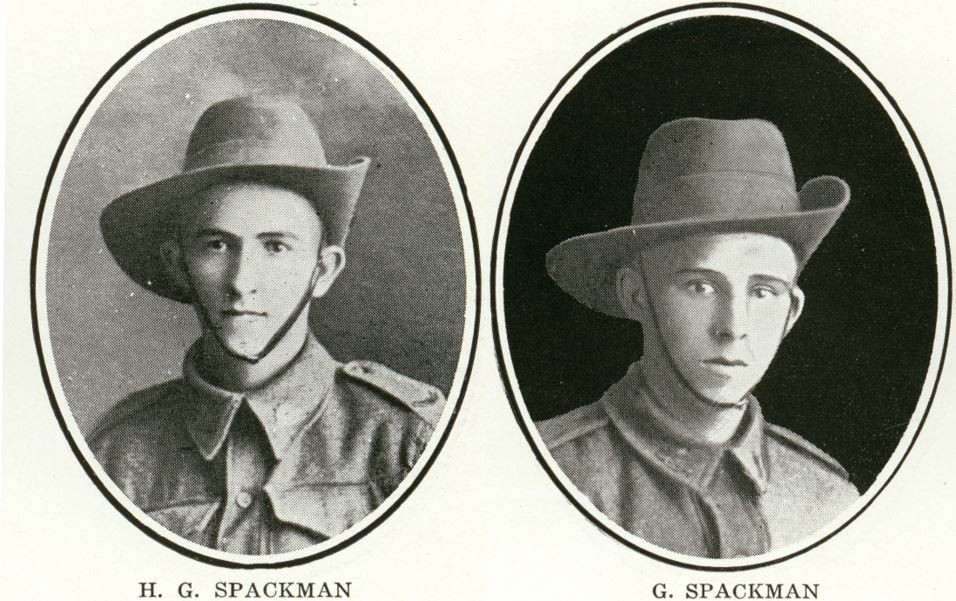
x,y
722,305
251,252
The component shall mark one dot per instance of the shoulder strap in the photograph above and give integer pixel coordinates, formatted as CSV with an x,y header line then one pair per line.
x,y
573,424
423,399
806,448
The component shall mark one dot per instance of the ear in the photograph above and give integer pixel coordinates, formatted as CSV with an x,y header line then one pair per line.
x,y
631,293
172,254
331,264
797,300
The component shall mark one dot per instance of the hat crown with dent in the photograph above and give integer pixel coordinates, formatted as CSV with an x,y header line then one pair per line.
x,y
702,176
254,130
264,139
710,168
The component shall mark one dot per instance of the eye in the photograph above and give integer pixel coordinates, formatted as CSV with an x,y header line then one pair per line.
x,y
216,245
276,246
699,287
765,292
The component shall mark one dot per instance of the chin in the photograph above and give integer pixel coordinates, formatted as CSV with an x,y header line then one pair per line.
x,y
238,337
242,346
724,396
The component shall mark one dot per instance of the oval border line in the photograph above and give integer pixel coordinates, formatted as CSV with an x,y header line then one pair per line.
x,y
943,263
472,266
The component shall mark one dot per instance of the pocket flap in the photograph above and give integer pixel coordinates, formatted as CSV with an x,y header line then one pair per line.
x,y
324,508
189,519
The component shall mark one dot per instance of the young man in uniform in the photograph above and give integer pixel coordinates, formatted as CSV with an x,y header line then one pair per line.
x,y
677,452
266,444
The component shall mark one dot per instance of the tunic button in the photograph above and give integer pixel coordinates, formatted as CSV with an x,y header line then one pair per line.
x,y
244,500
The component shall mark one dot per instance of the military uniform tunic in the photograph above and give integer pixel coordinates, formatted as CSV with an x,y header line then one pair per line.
x,y
273,469
765,489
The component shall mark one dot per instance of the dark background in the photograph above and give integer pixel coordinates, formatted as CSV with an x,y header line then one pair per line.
x,y
848,377
400,300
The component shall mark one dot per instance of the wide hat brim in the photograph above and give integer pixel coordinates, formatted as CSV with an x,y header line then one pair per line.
x,y
136,224
586,266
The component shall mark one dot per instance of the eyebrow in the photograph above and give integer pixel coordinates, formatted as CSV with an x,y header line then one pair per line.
x,y
762,277
208,231
698,270
772,278
277,235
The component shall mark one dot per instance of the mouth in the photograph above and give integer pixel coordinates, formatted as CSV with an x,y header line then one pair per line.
x,y
243,313
725,362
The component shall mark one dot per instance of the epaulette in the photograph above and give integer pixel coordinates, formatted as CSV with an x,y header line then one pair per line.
x,y
135,403
805,447
423,399
573,424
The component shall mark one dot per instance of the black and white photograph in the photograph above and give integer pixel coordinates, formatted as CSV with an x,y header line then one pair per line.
x,y
256,289
444,300
720,290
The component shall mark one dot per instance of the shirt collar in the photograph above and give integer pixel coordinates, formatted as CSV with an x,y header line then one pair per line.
x,y
284,405
648,430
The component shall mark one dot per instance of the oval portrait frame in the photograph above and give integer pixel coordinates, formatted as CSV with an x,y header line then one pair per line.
x,y
471,269
499,257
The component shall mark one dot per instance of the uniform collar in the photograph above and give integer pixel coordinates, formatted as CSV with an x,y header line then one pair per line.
x,y
284,405
648,431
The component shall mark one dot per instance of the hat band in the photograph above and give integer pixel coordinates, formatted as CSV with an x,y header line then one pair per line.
x,y
730,195
255,152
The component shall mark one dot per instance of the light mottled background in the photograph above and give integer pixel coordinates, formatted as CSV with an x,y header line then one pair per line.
x,y
401,298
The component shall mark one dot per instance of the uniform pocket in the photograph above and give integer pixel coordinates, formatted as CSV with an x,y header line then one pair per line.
x,y
193,519
326,508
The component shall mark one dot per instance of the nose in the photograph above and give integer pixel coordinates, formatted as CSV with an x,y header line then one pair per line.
x,y
731,319
244,280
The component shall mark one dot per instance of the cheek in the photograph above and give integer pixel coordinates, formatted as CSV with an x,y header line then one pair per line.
x,y
686,322
295,268
288,277
208,272
769,323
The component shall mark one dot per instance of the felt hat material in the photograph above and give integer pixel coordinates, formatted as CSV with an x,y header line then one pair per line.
x,y
262,139
702,176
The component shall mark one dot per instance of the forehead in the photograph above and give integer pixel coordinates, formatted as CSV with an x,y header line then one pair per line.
x,y
737,254
249,208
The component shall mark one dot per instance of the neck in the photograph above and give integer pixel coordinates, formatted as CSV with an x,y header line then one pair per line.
x,y
690,417
232,373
